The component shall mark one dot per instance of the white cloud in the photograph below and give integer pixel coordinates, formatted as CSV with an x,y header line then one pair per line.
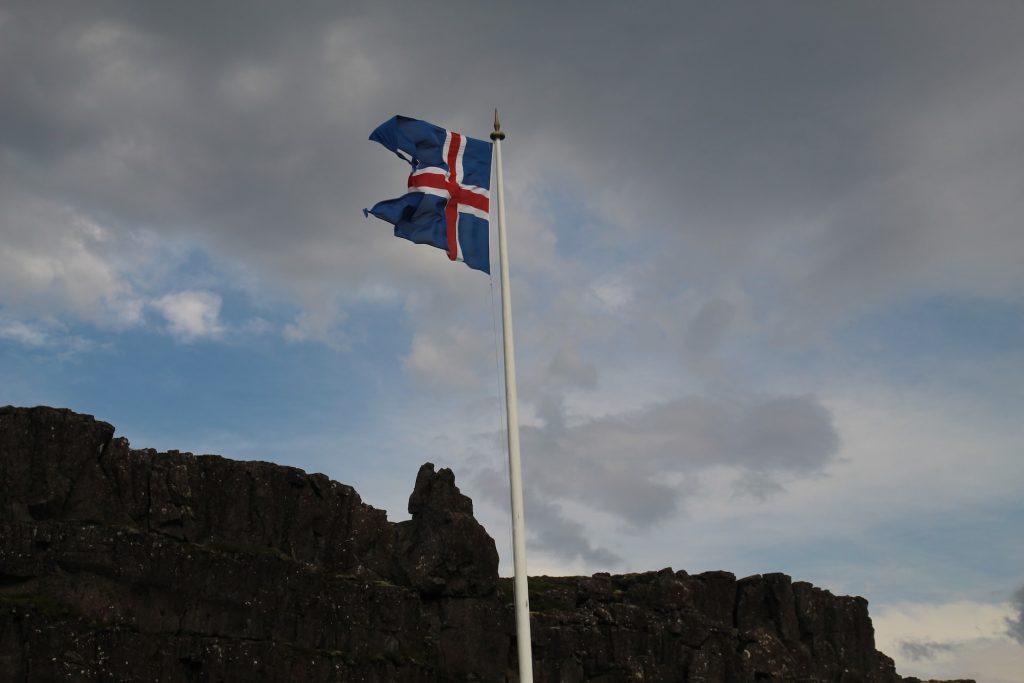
x,y
22,333
447,357
191,315
319,322
920,452
46,335
946,622
961,639
56,261
614,292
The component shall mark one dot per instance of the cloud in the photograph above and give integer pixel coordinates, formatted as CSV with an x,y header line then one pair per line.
x,y
1015,622
46,335
563,537
757,485
828,186
640,467
627,460
959,639
950,622
320,323
56,261
447,357
550,530
140,120
709,326
191,315
22,333
918,650
567,368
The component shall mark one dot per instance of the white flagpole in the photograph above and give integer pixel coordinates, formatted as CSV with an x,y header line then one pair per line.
x,y
522,596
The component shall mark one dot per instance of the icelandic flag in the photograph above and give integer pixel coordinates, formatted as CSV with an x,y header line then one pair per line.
x,y
448,201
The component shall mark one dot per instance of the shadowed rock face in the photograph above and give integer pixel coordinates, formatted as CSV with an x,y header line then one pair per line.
x,y
443,550
131,565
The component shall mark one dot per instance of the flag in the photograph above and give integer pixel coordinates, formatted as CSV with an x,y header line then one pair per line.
x,y
448,200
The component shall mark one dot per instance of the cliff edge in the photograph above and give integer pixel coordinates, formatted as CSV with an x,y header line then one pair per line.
x,y
119,564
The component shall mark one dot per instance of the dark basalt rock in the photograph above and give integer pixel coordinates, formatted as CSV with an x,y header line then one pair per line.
x,y
131,565
443,550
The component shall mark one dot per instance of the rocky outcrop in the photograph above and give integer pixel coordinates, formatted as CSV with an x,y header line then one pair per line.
x,y
443,550
131,565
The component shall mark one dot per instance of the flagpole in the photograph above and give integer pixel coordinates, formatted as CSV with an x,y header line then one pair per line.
x,y
522,596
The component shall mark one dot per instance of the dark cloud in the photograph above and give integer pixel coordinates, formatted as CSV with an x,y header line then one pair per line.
x,y
563,537
640,467
569,369
709,326
916,651
1015,624
232,127
550,530
736,130
757,485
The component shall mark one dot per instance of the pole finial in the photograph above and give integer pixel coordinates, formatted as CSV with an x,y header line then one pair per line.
x,y
498,134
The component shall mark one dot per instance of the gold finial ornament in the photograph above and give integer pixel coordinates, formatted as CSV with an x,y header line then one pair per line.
x,y
498,134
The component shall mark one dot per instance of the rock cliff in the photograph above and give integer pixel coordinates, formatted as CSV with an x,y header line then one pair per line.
x,y
131,565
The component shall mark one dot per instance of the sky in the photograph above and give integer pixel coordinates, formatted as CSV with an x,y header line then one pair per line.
x,y
765,272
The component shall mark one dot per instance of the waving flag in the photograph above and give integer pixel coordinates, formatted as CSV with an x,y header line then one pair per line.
x,y
448,200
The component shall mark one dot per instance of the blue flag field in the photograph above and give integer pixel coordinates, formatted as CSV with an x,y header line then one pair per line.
x,y
448,200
